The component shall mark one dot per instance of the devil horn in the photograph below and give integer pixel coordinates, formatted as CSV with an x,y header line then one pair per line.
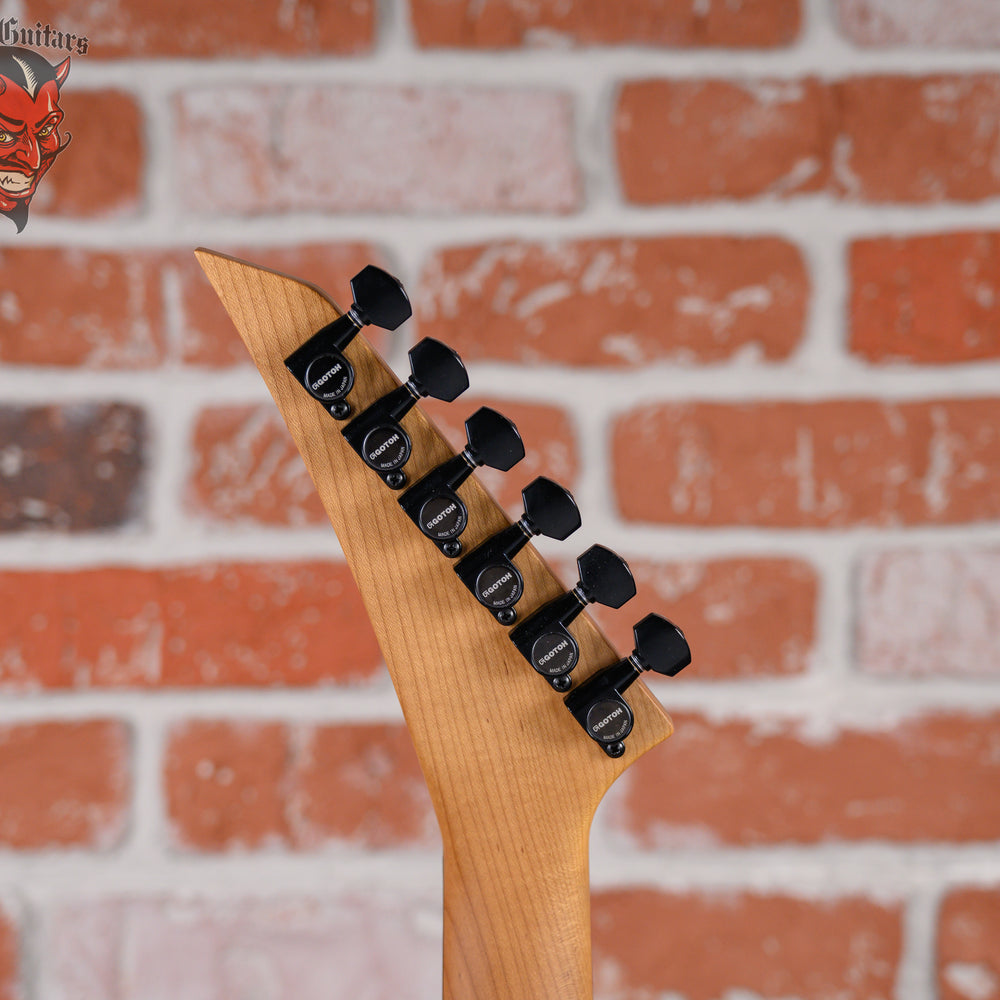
x,y
62,71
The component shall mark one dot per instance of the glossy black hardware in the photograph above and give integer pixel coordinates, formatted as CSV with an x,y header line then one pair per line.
x,y
597,703
433,504
319,364
544,639
376,433
488,570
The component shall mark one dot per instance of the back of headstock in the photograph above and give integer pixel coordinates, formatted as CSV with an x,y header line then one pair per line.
x,y
513,776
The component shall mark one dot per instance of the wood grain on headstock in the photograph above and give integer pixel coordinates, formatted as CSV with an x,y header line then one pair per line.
x,y
514,779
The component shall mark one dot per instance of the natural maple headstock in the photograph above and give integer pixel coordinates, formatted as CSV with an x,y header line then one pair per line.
x,y
513,777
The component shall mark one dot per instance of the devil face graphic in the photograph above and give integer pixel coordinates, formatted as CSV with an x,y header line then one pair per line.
x,y
29,126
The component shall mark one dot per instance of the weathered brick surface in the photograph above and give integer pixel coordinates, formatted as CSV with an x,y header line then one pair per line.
x,y
918,139
617,302
515,147
63,784
935,23
702,947
235,784
924,779
224,784
865,138
100,175
681,140
968,945
9,959
246,468
359,783
742,617
929,612
265,623
209,338
118,29
506,23
237,624
109,312
826,464
356,944
550,444
71,468
929,299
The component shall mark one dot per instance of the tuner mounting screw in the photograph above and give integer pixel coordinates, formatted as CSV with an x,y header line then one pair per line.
x,y
562,683
615,749
340,410
395,480
506,616
452,548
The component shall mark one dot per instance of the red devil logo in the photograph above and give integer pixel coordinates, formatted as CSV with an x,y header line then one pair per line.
x,y
29,126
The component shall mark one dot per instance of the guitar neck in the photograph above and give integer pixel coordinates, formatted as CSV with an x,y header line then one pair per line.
x,y
513,778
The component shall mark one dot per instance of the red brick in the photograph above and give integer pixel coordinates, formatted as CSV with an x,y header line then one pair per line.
x,y
360,783
117,319
63,784
923,779
9,963
293,624
247,625
515,147
742,617
929,612
253,784
209,337
828,464
77,467
108,313
675,23
648,943
549,438
246,468
968,945
866,138
929,299
100,174
118,29
617,302
681,140
225,784
918,139
935,23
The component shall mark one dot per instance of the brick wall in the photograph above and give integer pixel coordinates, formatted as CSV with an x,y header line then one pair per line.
x,y
732,265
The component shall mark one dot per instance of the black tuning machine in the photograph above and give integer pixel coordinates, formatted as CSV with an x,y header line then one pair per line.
x,y
545,640
319,364
433,504
597,703
376,433
488,570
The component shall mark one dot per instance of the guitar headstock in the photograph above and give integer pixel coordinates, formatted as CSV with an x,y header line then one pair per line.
x,y
505,759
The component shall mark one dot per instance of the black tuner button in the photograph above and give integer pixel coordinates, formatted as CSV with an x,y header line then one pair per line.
x,y
488,571
376,433
379,298
598,705
433,503
544,639
319,364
